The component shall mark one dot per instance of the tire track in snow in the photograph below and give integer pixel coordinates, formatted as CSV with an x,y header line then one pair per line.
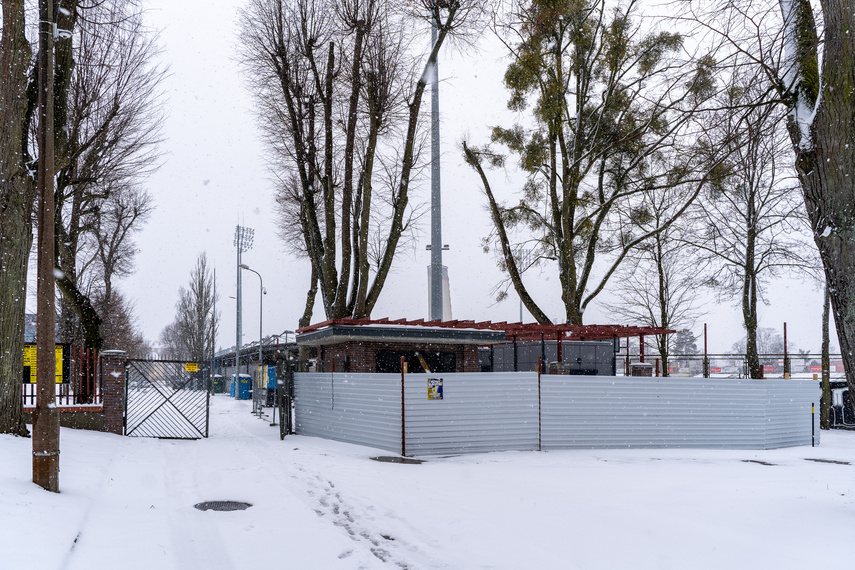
x,y
196,541
105,477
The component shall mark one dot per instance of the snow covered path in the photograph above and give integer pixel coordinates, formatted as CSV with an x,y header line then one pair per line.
x,y
127,503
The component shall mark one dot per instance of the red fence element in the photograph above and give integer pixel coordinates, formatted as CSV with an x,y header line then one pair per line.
x,y
82,388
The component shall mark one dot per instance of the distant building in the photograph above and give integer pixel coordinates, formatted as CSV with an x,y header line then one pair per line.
x,y
30,328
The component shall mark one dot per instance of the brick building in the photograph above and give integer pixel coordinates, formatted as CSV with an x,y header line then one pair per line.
x,y
367,345
362,345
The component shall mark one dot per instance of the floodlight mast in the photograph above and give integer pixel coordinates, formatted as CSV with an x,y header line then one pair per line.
x,y
436,303
243,242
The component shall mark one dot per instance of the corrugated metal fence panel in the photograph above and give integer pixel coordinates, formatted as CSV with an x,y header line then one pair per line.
x,y
478,412
788,412
598,412
499,411
364,409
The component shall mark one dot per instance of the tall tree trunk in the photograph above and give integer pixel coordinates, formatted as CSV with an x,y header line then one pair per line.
x,y
17,194
16,239
825,152
749,317
308,310
749,289
664,316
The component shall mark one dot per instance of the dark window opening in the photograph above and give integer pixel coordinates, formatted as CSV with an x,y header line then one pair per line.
x,y
437,361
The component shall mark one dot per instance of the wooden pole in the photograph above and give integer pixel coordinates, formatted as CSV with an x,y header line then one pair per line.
x,y
46,415
403,411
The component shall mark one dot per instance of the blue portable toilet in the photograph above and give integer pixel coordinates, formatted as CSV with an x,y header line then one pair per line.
x,y
244,389
271,377
269,384
232,386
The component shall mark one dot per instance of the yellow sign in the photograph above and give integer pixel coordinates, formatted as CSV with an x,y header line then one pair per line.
x,y
191,367
30,363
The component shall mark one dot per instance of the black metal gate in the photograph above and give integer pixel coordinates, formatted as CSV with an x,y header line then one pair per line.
x,y
165,399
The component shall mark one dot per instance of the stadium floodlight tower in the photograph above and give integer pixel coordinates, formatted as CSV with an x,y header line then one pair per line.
x,y
436,296
243,242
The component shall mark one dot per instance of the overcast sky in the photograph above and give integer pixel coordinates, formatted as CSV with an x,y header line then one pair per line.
x,y
214,177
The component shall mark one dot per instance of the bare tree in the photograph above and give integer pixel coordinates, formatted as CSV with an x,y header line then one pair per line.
x,y
808,57
748,227
109,238
17,196
658,284
110,120
170,344
104,138
769,342
119,327
194,331
339,95
612,118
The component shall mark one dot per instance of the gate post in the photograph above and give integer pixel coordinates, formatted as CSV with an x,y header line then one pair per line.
x,y
113,386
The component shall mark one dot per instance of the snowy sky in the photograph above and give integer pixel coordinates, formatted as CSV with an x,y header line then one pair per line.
x,y
214,177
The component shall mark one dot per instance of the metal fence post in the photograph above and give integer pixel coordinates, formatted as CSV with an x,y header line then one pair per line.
x,y
812,426
539,406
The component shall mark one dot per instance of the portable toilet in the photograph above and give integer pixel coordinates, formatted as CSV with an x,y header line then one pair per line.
x,y
266,382
219,384
271,385
244,389
232,386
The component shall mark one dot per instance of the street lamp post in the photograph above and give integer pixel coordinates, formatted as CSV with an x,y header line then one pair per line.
x,y
261,293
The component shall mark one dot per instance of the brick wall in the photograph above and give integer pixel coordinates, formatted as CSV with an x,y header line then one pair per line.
x,y
113,386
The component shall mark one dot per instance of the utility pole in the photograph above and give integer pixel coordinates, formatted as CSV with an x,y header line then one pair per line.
x,y
46,415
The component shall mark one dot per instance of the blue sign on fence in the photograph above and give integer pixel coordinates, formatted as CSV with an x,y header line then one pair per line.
x,y
434,388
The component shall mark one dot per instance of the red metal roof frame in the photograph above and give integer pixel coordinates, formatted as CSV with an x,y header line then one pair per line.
x,y
514,331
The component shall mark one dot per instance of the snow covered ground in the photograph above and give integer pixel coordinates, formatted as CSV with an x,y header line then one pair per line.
x,y
127,503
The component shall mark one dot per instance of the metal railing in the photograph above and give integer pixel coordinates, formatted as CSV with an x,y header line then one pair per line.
x,y
735,365
82,387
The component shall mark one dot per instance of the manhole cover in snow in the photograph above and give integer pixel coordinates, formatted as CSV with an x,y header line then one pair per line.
x,y
390,459
222,506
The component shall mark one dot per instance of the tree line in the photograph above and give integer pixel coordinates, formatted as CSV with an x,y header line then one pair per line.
x,y
661,153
